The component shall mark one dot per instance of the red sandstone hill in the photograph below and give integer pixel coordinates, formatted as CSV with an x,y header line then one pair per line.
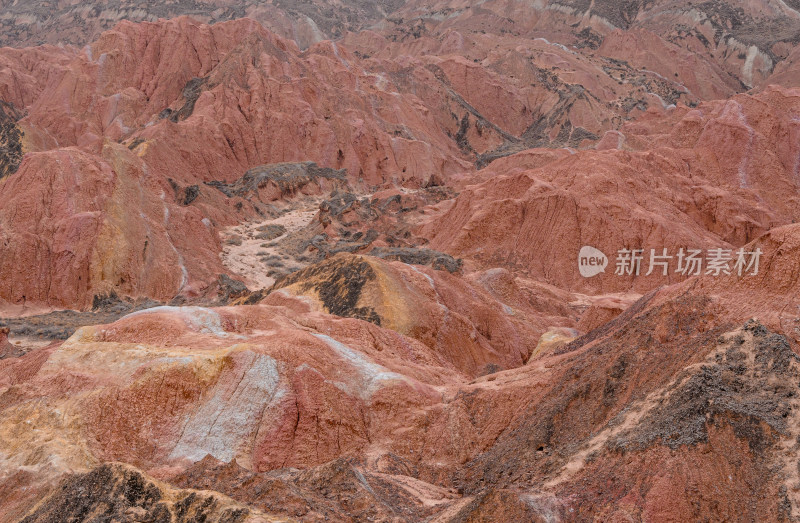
x,y
320,280
149,115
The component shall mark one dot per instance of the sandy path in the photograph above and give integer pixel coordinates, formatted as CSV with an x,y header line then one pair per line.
x,y
244,260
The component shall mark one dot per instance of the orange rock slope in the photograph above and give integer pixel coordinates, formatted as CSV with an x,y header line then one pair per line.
x,y
681,382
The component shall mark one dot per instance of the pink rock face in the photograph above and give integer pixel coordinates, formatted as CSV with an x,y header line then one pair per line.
x,y
648,50
126,228
95,228
723,176
4,343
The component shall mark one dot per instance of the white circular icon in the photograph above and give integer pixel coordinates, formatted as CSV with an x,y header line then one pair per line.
x,y
591,261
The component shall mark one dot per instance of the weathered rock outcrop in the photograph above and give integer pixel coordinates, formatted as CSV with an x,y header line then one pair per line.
x,y
464,322
122,493
269,183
